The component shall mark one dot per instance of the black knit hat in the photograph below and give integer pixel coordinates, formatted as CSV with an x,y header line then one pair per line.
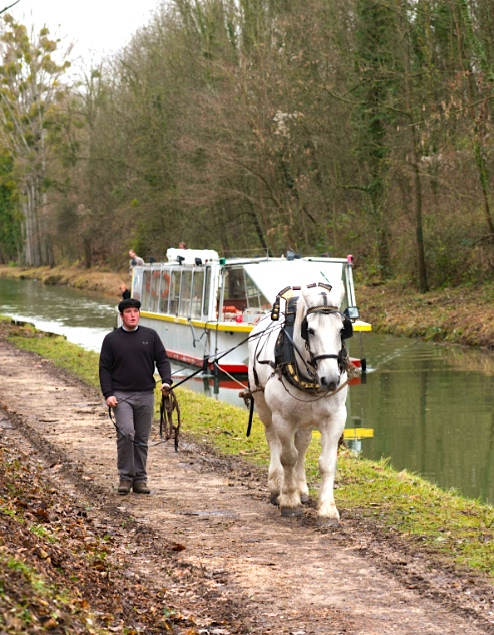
x,y
129,303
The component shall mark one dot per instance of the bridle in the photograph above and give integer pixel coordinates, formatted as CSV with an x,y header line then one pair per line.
x,y
287,352
342,355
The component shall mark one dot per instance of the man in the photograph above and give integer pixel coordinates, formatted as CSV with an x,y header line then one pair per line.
x,y
125,292
135,260
126,372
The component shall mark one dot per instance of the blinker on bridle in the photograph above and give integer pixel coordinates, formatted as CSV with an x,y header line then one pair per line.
x,y
347,331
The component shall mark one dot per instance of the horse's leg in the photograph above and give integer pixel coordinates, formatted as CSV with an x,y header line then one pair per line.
x,y
290,503
330,435
302,442
275,471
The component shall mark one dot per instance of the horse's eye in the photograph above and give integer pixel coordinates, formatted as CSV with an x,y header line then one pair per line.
x,y
311,331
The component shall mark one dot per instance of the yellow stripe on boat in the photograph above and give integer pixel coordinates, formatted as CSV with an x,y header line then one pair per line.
x,y
352,433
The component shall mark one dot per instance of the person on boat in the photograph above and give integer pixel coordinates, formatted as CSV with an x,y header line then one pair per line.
x,y
182,245
135,260
127,362
125,292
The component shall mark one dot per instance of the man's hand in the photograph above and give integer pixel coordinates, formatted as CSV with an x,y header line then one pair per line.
x,y
165,389
111,401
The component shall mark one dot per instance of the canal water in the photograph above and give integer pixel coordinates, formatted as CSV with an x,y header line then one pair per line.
x,y
428,407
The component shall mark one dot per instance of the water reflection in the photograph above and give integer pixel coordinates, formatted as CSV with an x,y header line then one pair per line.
x,y
83,318
432,410
428,407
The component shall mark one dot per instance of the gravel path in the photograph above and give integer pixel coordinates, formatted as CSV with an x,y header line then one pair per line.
x,y
209,536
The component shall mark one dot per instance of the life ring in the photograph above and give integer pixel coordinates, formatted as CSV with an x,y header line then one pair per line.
x,y
165,292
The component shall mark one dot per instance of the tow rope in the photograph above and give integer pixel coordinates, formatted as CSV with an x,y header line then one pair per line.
x,y
169,403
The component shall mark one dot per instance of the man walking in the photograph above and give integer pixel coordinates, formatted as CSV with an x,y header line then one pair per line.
x,y
126,372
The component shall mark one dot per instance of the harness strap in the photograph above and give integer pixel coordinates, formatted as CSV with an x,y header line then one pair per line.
x,y
294,360
248,398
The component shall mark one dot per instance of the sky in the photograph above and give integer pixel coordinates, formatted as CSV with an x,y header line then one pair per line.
x,y
96,27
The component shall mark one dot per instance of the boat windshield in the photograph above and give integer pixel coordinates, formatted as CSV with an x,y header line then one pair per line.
x,y
241,292
270,277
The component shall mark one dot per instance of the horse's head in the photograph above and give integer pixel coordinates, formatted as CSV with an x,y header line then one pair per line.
x,y
322,329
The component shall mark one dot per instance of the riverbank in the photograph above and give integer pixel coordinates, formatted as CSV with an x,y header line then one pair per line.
x,y
97,280
461,315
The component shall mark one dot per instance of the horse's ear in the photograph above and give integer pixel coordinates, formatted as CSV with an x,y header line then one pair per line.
x,y
304,329
338,293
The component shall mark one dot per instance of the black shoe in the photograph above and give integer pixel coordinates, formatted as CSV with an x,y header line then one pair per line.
x,y
140,487
124,487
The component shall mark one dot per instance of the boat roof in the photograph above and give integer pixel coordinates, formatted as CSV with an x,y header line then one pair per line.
x,y
273,275
270,275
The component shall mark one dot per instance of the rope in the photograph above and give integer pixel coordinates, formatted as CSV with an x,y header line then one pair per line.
x,y
169,403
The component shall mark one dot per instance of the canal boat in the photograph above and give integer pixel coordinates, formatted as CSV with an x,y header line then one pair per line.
x,y
204,306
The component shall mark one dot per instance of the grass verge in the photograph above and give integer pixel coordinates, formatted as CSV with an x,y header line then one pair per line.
x,y
443,522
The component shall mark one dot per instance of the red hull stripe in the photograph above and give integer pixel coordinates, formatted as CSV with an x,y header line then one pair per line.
x,y
240,369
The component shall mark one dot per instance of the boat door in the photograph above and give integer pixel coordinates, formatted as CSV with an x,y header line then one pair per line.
x,y
136,286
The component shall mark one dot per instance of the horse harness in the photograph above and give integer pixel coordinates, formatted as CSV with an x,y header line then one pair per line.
x,y
286,352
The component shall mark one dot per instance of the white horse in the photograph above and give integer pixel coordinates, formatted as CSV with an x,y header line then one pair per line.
x,y
298,392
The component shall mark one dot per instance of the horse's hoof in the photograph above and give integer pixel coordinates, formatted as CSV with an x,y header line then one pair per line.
x,y
274,499
304,498
291,511
326,521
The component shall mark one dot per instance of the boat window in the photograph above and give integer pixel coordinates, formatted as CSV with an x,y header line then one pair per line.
x,y
164,291
234,295
207,291
197,286
185,293
146,289
174,291
155,290
255,299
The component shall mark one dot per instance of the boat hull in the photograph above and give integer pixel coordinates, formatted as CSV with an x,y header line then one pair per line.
x,y
191,341
198,343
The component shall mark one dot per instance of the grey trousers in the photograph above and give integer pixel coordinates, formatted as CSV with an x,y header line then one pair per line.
x,y
134,418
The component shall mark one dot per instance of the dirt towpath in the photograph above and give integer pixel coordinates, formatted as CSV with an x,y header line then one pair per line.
x,y
208,535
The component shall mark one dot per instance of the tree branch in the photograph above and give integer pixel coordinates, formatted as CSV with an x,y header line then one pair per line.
x,y
9,7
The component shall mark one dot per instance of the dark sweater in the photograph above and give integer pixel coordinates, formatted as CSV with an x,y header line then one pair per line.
x,y
128,358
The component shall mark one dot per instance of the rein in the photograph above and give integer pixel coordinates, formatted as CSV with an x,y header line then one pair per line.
x,y
168,404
